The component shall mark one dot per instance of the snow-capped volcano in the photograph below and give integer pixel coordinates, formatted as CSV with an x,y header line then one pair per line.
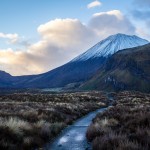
x,y
80,69
110,45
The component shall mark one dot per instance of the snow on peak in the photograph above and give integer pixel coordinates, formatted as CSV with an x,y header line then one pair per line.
x,y
111,45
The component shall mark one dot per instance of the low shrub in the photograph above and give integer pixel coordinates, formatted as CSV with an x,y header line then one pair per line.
x,y
124,126
28,121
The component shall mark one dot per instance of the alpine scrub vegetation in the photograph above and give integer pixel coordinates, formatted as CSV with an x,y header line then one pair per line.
x,y
123,126
28,121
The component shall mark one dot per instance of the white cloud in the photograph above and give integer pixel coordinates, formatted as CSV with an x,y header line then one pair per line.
x,y
13,38
19,62
65,32
94,4
111,22
115,13
61,40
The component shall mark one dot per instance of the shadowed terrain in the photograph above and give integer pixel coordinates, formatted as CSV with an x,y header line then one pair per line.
x,y
125,70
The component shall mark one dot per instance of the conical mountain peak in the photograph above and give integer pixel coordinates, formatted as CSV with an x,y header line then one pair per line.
x,y
110,45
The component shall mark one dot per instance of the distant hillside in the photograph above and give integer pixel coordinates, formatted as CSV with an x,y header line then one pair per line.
x,y
5,79
126,70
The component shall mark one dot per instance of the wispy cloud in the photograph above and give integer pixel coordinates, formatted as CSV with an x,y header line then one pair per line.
x,y
13,38
94,4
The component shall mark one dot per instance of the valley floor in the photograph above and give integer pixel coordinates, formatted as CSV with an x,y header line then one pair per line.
x,y
28,121
124,126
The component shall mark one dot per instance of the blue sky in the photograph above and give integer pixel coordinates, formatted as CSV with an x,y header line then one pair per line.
x,y
24,16
35,35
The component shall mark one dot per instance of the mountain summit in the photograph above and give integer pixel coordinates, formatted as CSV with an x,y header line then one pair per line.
x,y
111,45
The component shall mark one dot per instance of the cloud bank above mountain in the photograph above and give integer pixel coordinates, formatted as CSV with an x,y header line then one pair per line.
x,y
60,41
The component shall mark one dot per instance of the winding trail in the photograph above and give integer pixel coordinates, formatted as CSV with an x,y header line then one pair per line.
x,y
74,136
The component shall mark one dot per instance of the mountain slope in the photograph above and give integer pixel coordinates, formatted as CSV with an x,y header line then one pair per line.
x,y
83,67
5,79
70,73
126,70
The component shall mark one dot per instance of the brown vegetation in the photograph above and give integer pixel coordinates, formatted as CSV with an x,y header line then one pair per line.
x,y
29,120
124,126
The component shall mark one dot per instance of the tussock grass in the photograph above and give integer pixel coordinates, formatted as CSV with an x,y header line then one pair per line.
x,y
28,121
124,126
